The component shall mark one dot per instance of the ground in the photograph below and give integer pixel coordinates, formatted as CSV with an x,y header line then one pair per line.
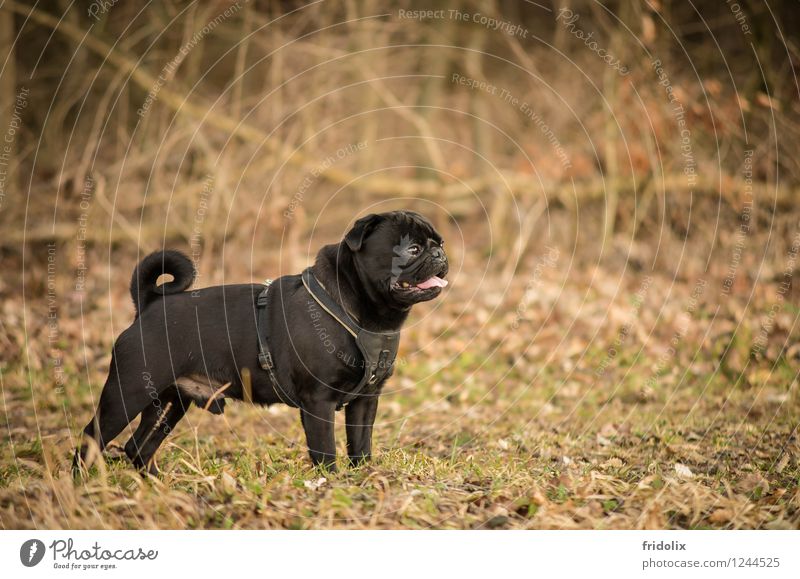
x,y
550,403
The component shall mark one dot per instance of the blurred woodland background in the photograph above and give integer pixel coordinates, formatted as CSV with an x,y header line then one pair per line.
x,y
617,183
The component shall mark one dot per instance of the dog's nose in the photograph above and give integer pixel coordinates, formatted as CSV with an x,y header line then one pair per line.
x,y
438,253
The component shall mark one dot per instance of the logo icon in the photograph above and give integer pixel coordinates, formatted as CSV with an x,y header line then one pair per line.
x,y
31,553
401,257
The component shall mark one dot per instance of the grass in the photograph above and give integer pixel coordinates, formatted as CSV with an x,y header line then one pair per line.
x,y
585,416
502,432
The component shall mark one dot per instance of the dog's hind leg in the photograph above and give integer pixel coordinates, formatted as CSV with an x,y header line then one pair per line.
x,y
158,420
121,401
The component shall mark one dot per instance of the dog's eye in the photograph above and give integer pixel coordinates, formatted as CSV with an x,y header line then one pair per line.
x,y
414,249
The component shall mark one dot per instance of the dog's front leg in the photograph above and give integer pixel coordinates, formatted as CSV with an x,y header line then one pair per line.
x,y
359,417
318,421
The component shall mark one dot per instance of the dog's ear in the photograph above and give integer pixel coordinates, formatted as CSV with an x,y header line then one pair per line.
x,y
362,228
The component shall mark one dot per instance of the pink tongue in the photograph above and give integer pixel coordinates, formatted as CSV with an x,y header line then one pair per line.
x,y
435,281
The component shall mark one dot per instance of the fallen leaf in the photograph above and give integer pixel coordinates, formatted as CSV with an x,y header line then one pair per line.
x,y
315,484
753,483
720,516
683,471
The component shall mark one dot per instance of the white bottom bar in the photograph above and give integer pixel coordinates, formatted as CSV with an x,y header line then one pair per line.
x,y
388,554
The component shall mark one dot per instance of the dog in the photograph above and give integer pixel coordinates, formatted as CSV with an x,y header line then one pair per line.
x,y
204,346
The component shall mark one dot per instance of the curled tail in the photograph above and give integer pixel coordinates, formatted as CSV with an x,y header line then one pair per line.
x,y
143,282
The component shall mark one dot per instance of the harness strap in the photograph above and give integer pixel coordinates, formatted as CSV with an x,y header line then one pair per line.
x,y
264,356
327,303
379,349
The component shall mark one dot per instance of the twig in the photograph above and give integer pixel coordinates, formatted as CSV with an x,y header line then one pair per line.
x,y
117,216
381,186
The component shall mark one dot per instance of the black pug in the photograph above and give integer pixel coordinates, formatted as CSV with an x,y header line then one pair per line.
x,y
202,346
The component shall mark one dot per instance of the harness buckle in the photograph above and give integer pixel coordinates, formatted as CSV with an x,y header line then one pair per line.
x,y
381,367
265,361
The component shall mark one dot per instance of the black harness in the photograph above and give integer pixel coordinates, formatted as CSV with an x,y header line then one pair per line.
x,y
379,349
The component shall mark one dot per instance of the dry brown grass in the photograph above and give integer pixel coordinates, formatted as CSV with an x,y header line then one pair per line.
x,y
533,396
481,427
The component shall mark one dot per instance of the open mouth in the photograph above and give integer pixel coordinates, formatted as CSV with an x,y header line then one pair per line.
x,y
430,283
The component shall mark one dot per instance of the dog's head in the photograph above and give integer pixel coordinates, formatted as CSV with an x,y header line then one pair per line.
x,y
399,255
